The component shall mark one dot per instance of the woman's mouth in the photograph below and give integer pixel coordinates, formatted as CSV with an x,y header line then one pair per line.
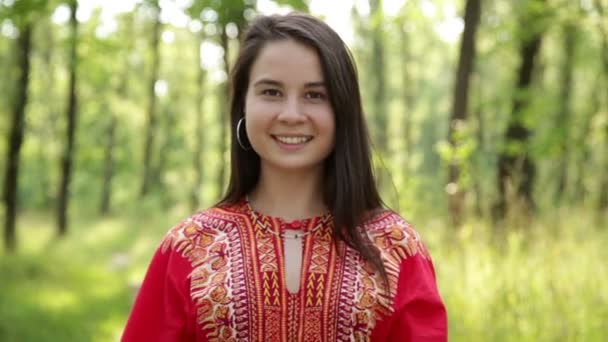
x,y
292,140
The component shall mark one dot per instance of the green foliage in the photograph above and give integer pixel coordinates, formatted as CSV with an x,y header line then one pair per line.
x,y
232,11
461,153
79,289
535,16
540,283
23,11
300,5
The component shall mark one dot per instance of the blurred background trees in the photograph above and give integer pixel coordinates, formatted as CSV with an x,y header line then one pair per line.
x,y
480,111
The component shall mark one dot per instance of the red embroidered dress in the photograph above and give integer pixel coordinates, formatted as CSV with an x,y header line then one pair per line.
x,y
217,276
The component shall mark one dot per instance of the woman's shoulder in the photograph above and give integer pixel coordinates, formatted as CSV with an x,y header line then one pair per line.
x,y
394,235
203,228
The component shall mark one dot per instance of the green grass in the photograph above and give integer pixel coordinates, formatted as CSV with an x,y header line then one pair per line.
x,y
543,281
79,288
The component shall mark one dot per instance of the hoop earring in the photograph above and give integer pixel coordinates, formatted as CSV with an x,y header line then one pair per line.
x,y
238,135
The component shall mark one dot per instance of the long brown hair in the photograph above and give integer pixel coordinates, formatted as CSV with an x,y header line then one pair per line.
x,y
350,187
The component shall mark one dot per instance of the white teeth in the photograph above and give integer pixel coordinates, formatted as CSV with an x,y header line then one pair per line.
x,y
293,140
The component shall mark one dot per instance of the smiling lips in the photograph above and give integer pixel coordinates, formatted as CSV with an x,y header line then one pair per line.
x,y
292,140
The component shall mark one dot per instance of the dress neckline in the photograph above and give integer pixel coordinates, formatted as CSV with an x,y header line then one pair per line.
x,y
297,224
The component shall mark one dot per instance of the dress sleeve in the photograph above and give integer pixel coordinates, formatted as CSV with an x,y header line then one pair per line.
x,y
162,309
419,313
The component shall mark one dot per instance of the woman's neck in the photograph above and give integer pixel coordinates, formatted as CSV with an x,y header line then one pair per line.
x,y
290,195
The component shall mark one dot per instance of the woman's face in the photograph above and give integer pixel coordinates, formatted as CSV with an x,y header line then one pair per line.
x,y
289,119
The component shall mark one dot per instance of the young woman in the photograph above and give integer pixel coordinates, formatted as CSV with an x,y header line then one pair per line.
x,y
300,248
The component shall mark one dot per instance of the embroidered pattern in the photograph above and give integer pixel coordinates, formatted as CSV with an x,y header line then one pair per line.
x,y
238,283
397,241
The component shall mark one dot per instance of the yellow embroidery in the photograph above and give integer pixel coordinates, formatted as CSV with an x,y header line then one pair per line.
x,y
397,241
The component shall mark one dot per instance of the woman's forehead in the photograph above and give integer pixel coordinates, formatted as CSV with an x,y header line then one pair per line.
x,y
287,61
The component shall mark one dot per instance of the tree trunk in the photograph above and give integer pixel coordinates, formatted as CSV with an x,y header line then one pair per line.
x,y
110,142
580,192
603,200
68,154
380,114
49,129
122,90
408,101
480,209
195,200
515,167
168,126
148,171
563,119
459,111
221,176
11,177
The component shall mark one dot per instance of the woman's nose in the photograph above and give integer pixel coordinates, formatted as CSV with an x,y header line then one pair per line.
x,y
291,111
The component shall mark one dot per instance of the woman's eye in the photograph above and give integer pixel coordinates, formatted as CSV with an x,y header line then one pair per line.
x,y
315,95
271,92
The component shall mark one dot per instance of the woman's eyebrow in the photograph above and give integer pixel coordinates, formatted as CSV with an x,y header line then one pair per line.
x,y
314,84
268,81
271,82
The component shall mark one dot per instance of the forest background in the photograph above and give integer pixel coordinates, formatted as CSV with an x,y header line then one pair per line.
x,y
489,121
